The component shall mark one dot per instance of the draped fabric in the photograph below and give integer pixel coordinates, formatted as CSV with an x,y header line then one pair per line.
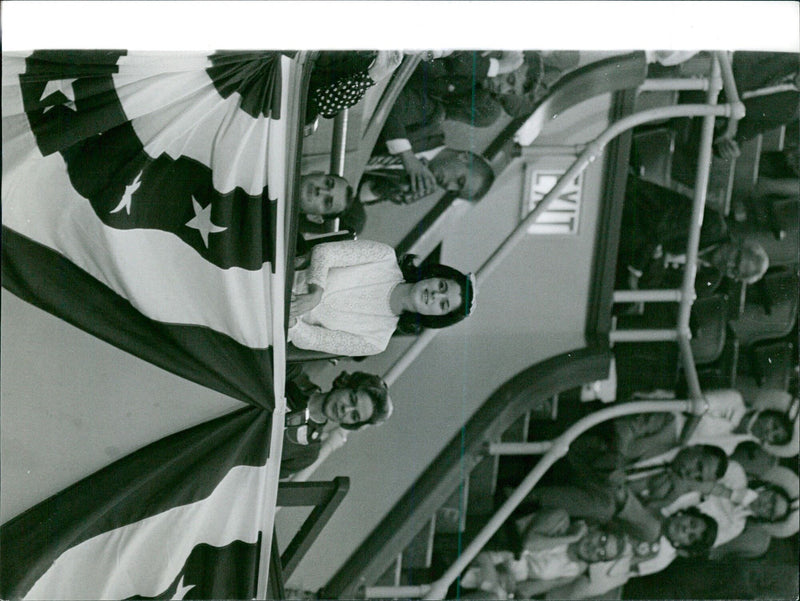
x,y
142,197
141,193
177,517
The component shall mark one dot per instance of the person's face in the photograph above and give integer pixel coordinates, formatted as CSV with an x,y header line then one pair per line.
x,y
322,194
348,407
436,296
696,465
736,263
455,174
769,505
684,530
508,83
769,429
598,546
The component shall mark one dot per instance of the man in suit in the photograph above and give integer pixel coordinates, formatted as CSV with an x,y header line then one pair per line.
x,y
467,174
438,90
354,401
655,232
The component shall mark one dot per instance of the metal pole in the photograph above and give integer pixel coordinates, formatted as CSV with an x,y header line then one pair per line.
x,y
588,156
560,447
339,143
698,207
520,448
674,84
647,296
339,150
394,592
536,150
723,64
643,335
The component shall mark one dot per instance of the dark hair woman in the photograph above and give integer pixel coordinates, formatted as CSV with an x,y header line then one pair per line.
x,y
354,295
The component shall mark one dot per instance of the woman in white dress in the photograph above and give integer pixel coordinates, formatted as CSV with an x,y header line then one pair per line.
x,y
353,296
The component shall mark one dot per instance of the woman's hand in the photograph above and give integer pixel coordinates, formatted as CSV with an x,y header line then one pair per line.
x,y
580,531
421,178
727,148
303,303
384,64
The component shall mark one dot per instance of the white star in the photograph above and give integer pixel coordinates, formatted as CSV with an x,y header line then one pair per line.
x,y
202,222
60,85
181,590
127,196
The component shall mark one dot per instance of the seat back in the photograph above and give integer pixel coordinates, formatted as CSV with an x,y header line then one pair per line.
x,y
774,314
709,323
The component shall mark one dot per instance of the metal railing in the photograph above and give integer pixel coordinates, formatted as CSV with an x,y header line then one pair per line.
x,y
696,405
557,449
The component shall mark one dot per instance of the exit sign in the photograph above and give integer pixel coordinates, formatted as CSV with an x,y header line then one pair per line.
x,y
562,216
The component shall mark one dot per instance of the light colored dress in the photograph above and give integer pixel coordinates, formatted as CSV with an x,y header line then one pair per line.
x,y
354,317
549,564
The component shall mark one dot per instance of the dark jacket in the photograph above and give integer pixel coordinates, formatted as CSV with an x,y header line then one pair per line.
x,y
301,437
655,216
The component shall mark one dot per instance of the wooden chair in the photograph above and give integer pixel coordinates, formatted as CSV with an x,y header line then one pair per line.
x,y
325,497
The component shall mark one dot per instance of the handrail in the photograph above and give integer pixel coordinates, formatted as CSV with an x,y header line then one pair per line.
x,y
731,92
584,160
560,446
697,405
462,452
685,295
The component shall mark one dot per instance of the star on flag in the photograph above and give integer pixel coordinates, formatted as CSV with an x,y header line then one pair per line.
x,y
202,221
127,196
181,590
65,86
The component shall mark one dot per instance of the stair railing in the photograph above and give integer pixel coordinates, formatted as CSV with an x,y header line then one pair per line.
x,y
557,449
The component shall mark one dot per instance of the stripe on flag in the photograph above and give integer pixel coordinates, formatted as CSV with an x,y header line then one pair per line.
x,y
175,517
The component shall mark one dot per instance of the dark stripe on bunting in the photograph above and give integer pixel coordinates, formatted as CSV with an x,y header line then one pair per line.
x,y
228,572
41,276
127,189
63,117
255,76
180,469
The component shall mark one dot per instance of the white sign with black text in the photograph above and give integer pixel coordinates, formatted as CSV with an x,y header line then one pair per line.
x,y
562,216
